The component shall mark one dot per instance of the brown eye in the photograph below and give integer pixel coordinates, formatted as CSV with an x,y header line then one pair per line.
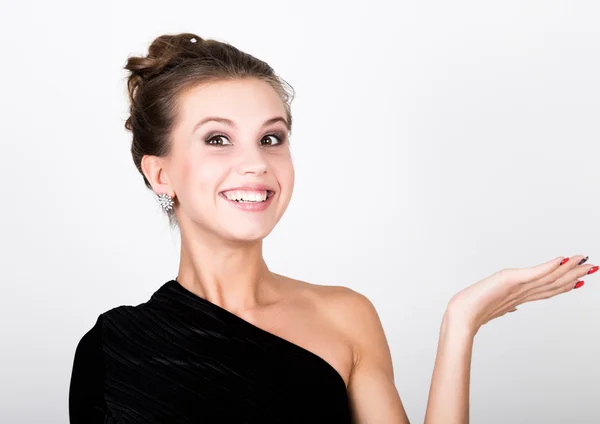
x,y
271,140
217,140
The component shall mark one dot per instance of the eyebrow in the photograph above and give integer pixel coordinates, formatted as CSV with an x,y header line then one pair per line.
x,y
230,123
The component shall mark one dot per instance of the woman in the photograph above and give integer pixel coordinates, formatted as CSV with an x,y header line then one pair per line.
x,y
229,341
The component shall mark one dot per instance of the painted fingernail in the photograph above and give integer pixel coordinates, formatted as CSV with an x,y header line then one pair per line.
x,y
594,269
578,284
564,261
583,260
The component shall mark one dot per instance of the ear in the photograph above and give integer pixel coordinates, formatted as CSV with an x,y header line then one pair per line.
x,y
154,169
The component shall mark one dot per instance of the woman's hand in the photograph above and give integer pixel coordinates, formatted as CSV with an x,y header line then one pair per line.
x,y
503,291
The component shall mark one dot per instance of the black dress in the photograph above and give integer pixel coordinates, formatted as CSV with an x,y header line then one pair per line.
x,y
178,358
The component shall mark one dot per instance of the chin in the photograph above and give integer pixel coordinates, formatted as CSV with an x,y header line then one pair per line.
x,y
248,235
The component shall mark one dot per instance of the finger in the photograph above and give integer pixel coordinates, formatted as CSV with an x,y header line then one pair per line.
x,y
562,285
558,272
549,285
570,277
535,273
559,281
547,294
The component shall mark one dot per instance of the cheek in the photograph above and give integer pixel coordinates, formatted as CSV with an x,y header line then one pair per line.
x,y
285,172
207,175
184,171
291,175
196,174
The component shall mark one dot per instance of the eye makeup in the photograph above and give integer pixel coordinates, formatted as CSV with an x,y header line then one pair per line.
x,y
211,137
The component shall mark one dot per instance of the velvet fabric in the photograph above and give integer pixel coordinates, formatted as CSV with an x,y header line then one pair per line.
x,y
179,358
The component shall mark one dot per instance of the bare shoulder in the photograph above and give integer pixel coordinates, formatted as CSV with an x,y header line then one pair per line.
x,y
347,306
340,298
351,312
369,373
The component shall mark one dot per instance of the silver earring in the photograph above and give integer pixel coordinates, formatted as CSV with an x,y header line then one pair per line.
x,y
165,202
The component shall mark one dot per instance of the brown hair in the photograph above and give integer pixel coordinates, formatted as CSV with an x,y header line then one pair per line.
x,y
174,64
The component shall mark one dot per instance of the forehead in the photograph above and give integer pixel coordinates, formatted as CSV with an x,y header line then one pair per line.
x,y
247,101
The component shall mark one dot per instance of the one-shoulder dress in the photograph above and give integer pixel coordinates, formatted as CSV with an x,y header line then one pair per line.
x,y
179,358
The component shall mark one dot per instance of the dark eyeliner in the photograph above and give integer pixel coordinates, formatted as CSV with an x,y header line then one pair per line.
x,y
279,135
209,138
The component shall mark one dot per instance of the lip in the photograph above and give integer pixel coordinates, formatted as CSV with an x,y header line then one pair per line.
x,y
251,187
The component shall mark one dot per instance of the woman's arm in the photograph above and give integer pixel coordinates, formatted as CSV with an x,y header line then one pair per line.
x,y
475,306
448,401
371,388
372,391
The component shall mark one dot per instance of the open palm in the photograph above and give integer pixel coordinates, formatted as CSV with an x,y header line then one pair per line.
x,y
501,292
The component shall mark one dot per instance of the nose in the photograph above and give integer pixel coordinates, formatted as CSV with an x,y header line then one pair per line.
x,y
252,161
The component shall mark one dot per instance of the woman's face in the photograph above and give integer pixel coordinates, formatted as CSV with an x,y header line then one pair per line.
x,y
230,165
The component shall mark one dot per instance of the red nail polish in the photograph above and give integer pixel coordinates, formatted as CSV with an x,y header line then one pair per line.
x,y
579,284
564,261
594,269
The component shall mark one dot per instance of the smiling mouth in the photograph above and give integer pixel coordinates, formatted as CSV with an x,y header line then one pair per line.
x,y
243,196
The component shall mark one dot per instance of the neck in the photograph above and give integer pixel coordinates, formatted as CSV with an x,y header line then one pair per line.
x,y
233,276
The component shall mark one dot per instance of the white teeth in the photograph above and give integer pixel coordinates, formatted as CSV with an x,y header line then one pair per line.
x,y
246,196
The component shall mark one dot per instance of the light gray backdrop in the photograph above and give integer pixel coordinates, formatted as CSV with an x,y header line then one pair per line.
x,y
435,143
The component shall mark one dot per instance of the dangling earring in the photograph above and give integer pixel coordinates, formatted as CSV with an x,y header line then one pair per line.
x,y
165,202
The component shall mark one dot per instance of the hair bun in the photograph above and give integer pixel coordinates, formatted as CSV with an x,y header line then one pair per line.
x,y
165,52
161,53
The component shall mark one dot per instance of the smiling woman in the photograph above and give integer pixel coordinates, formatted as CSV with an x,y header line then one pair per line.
x,y
227,340
230,136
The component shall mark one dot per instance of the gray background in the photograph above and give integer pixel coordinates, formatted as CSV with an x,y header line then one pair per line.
x,y
435,143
